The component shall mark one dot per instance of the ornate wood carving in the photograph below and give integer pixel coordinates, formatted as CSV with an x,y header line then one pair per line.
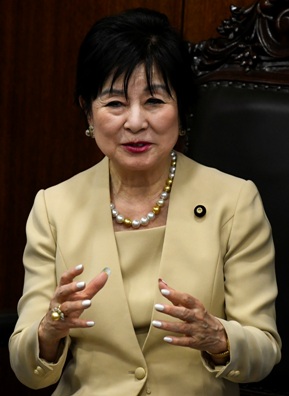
x,y
255,38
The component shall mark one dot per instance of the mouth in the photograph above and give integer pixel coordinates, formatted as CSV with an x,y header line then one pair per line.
x,y
136,144
137,147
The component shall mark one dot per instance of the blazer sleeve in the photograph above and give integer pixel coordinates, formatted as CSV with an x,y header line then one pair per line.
x,y
250,292
39,286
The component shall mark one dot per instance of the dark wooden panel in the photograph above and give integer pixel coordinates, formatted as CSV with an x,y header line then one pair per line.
x,y
42,131
42,140
202,17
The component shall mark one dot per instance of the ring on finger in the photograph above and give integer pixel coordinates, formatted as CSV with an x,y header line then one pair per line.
x,y
57,314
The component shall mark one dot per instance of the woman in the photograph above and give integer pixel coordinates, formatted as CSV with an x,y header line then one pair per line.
x,y
185,302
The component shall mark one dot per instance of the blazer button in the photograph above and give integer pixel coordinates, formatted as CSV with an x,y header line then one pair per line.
x,y
140,373
39,371
200,211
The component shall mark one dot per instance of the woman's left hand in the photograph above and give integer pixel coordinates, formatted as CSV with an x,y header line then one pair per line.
x,y
199,329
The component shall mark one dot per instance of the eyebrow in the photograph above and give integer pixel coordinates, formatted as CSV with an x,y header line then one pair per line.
x,y
120,92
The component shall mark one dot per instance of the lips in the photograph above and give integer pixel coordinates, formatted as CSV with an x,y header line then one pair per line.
x,y
136,144
137,147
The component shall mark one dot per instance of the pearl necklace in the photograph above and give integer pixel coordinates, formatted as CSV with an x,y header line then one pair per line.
x,y
144,221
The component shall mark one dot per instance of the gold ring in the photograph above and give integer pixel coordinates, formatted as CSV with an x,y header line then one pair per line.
x,y
57,314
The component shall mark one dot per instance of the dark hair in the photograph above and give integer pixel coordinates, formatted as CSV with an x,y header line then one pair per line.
x,y
117,44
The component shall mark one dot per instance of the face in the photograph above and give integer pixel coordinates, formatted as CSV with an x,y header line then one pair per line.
x,y
137,132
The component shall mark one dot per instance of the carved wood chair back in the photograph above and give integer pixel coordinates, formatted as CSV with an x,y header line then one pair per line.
x,y
241,125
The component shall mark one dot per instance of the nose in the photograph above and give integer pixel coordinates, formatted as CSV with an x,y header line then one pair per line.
x,y
136,119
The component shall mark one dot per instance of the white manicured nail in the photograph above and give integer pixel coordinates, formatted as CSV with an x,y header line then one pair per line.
x,y
90,323
79,267
107,270
165,292
86,303
80,285
168,339
159,307
156,323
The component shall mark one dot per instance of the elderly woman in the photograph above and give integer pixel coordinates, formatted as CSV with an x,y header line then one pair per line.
x,y
185,302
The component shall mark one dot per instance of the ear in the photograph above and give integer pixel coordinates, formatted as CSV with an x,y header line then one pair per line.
x,y
81,103
83,106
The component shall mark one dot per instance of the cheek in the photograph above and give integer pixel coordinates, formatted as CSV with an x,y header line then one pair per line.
x,y
170,121
106,126
107,133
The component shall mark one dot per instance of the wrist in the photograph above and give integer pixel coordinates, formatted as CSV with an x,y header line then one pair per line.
x,y
221,357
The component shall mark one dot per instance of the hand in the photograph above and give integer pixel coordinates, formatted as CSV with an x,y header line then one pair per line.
x,y
200,330
72,298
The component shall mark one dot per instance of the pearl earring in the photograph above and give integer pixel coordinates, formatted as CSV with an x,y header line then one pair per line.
x,y
89,131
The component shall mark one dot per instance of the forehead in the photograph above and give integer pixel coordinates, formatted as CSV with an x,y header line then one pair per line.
x,y
138,76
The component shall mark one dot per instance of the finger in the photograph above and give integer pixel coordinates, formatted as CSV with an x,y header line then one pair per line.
x,y
178,298
68,292
68,276
185,314
174,327
78,290
80,323
74,308
188,337
96,284
180,341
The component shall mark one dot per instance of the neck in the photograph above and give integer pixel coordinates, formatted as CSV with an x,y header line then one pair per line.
x,y
137,184
142,197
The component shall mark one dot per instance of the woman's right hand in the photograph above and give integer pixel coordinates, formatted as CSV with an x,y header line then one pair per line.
x,y
72,298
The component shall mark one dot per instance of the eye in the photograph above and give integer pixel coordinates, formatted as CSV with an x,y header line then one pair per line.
x,y
114,103
155,101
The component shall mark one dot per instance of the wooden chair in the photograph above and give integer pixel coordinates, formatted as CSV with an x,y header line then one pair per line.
x,y
241,126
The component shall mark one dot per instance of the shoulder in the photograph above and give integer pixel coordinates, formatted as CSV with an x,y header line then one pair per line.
x,y
206,175
212,185
81,182
76,191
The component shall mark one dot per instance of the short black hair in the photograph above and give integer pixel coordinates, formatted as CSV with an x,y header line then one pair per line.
x,y
117,44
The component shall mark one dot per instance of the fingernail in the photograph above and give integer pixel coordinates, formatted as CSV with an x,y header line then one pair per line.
x,y
107,270
156,323
80,285
159,307
79,267
86,303
90,323
165,292
161,280
168,339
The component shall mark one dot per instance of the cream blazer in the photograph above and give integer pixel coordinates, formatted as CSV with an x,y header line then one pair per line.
x,y
225,259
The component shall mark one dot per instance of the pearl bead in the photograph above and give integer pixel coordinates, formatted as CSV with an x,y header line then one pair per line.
x,y
160,202
164,195
144,221
55,316
119,218
114,212
151,215
135,223
127,222
156,210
